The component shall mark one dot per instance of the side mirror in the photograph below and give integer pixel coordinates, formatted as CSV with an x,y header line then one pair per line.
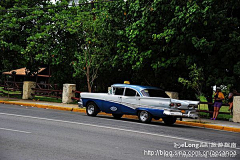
x,y
109,90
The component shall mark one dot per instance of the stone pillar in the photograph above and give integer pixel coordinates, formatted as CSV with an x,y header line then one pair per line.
x,y
236,109
68,93
27,89
173,95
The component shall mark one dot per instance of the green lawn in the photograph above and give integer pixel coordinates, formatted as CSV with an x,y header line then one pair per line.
x,y
17,94
220,116
10,92
47,99
222,109
205,107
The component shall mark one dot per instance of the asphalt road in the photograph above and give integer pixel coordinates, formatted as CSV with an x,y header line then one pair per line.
x,y
34,133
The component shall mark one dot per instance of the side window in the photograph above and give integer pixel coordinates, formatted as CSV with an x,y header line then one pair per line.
x,y
137,95
119,91
130,92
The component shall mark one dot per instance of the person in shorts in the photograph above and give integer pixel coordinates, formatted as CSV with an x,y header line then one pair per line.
x,y
218,97
230,99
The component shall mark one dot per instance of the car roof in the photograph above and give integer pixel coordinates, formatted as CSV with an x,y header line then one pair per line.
x,y
136,87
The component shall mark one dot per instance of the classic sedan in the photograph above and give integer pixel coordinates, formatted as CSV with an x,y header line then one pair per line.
x,y
144,101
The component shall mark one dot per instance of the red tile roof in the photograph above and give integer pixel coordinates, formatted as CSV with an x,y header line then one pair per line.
x,y
21,72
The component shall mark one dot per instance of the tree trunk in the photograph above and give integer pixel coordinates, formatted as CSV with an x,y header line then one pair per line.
x,y
88,80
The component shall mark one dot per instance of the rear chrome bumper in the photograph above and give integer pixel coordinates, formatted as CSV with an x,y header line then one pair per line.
x,y
178,113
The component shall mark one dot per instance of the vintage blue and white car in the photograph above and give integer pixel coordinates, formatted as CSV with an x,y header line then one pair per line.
x,y
144,101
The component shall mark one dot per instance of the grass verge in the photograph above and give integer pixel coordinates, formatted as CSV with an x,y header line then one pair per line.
x,y
220,116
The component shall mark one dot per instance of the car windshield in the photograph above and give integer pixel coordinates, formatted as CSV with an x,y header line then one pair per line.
x,y
154,93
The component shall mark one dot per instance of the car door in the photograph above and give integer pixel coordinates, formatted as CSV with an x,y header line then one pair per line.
x,y
130,101
113,103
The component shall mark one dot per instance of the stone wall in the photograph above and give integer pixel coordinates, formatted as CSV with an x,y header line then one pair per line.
x,y
27,89
68,93
236,109
173,95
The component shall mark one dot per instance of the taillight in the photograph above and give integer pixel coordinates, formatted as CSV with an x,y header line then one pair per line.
x,y
171,104
178,104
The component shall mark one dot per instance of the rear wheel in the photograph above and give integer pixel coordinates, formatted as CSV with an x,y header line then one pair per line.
x,y
117,116
169,120
92,109
145,116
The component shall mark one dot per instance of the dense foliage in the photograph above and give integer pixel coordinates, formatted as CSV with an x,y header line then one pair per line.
x,y
182,46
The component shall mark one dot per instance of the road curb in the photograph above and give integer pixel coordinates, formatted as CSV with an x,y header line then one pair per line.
x,y
38,105
202,125
211,126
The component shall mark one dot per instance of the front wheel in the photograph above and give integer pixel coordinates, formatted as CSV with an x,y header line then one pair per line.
x,y
169,120
145,116
92,109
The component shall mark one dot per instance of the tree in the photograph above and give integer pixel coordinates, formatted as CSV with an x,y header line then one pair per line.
x,y
51,42
16,26
204,33
94,48
146,42
196,80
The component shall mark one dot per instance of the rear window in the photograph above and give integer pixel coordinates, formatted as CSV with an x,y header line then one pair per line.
x,y
131,92
154,93
118,91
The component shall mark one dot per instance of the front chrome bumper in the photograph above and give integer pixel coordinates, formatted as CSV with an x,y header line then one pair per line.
x,y
80,104
178,113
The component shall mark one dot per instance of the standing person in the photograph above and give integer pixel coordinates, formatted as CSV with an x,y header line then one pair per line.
x,y
230,98
218,97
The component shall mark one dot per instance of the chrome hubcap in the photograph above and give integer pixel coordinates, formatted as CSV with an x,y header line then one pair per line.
x,y
90,109
143,116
